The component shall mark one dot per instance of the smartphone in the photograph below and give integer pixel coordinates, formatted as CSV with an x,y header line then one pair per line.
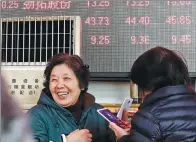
x,y
110,117
125,105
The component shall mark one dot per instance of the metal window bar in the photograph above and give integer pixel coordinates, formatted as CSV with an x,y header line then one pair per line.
x,y
18,42
58,36
29,53
35,41
70,34
1,38
19,54
64,35
74,30
46,40
40,40
23,40
6,40
12,54
52,36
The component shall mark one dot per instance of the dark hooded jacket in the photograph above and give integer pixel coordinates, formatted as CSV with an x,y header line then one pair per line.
x,y
50,120
167,115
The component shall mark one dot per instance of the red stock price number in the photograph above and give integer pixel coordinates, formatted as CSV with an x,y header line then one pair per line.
x,y
144,39
181,39
179,3
178,20
144,20
97,21
138,3
98,3
100,40
9,4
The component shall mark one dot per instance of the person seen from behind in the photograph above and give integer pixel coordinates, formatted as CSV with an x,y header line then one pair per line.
x,y
168,111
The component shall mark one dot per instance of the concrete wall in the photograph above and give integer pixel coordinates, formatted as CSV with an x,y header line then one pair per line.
x,y
109,92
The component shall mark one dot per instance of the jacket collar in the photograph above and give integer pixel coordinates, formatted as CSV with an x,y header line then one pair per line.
x,y
166,92
88,100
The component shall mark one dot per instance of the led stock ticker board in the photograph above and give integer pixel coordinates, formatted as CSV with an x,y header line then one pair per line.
x,y
116,32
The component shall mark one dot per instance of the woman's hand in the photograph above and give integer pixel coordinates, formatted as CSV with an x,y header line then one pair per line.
x,y
83,135
119,132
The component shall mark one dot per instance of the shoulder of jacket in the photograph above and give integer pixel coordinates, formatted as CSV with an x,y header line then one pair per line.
x,y
37,109
147,113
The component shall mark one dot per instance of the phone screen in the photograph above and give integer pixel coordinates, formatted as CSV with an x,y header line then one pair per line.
x,y
112,118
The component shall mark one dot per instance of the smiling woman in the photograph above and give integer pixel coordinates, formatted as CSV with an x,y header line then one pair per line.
x,y
65,106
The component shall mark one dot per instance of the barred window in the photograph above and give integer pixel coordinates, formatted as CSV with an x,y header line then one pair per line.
x,y
36,39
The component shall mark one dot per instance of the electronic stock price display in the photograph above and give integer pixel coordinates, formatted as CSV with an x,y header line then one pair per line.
x,y
116,32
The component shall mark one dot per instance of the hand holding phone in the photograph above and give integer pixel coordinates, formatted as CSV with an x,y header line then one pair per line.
x,y
110,117
125,105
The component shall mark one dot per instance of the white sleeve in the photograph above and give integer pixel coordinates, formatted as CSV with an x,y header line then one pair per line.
x,y
63,138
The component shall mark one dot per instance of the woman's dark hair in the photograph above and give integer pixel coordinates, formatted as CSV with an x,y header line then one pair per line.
x,y
159,67
72,61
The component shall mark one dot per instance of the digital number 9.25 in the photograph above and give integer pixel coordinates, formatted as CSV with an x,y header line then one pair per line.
x,y
100,40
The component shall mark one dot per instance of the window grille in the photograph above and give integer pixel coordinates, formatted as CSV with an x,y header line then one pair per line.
x,y
34,40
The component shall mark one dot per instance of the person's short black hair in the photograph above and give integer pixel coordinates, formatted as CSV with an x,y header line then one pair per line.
x,y
72,61
159,67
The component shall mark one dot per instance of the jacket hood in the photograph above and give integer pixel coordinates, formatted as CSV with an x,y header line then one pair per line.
x,y
46,99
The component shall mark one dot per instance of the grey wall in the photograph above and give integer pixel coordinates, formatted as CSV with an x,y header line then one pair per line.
x,y
109,92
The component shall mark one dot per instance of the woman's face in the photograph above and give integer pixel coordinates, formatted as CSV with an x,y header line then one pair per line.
x,y
64,85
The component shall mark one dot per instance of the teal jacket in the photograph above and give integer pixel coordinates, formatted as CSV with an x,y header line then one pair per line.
x,y
49,120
